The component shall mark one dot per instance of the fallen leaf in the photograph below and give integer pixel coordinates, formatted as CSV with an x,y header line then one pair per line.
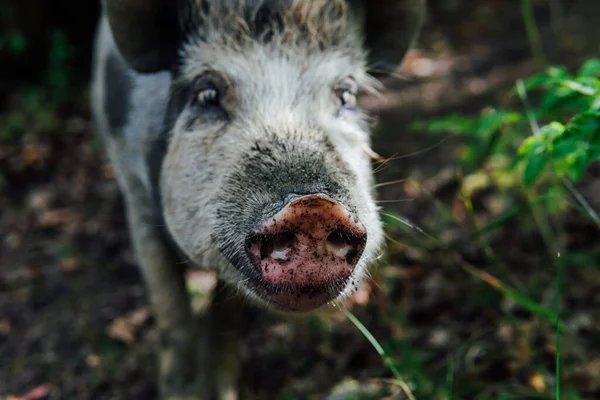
x,y
593,368
125,327
537,382
5,326
200,281
200,285
37,393
69,264
138,317
40,200
55,217
32,156
93,360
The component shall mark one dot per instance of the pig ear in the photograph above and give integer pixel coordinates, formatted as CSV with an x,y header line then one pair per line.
x,y
391,28
146,31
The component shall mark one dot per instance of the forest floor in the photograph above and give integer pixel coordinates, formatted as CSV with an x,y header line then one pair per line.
x,y
74,316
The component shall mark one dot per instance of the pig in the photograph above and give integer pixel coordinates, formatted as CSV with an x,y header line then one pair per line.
x,y
239,147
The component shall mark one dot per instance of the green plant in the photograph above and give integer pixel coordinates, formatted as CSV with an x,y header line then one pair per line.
x,y
570,142
562,148
13,42
534,154
38,105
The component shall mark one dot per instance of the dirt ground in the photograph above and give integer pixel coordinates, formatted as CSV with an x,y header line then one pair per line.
x,y
74,317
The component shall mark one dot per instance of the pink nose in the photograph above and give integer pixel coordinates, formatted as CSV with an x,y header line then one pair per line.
x,y
307,251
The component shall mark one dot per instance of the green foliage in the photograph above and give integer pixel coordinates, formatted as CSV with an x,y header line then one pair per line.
x,y
530,156
13,42
38,105
57,73
563,148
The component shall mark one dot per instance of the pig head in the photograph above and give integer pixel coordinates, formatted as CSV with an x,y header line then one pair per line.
x,y
262,110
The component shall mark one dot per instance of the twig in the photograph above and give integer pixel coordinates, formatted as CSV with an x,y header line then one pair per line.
x,y
533,33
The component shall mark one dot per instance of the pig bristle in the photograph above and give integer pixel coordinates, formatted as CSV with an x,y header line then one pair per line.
x,y
316,24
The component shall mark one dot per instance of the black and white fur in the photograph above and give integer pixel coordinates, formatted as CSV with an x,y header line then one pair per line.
x,y
212,113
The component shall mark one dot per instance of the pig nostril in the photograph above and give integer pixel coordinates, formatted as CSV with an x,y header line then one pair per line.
x,y
337,243
277,246
343,243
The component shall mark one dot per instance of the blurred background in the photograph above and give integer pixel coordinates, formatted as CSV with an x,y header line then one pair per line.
x,y
489,187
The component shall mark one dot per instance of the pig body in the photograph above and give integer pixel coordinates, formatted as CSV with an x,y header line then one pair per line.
x,y
239,146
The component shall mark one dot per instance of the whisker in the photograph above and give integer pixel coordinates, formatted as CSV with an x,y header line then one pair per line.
x,y
391,182
394,201
383,163
398,75
410,225
391,239
416,153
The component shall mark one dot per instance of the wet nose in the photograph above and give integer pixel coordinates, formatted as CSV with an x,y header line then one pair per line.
x,y
313,241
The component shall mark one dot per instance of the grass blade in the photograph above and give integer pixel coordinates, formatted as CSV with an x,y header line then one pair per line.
x,y
513,295
387,360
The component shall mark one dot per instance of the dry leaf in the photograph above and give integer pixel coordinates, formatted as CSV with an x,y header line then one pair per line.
x,y
52,218
37,393
32,156
93,360
69,264
125,327
201,285
537,382
40,200
5,326
200,281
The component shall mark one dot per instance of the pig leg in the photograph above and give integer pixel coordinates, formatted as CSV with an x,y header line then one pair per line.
x,y
226,316
181,370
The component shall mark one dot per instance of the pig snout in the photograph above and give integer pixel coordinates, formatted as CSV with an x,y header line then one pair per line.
x,y
306,252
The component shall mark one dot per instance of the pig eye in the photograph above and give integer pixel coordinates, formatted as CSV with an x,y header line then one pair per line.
x,y
348,98
208,94
346,92
207,97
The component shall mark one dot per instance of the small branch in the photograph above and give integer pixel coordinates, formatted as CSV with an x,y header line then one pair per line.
x,y
533,33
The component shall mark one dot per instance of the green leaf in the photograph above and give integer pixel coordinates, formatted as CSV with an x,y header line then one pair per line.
x,y
541,141
576,168
590,68
586,90
490,122
563,148
534,166
537,80
557,72
527,145
585,125
17,43
534,151
552,130
455,123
